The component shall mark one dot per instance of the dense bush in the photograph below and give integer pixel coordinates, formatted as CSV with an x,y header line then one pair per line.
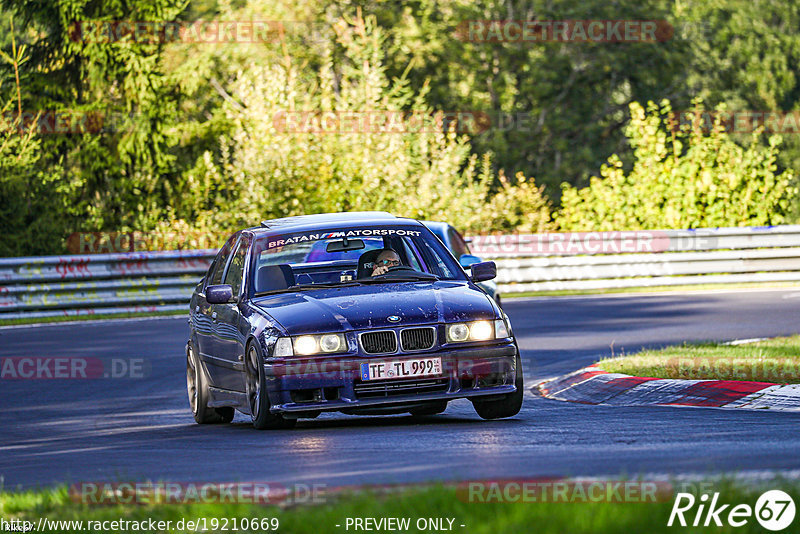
x,y
687,177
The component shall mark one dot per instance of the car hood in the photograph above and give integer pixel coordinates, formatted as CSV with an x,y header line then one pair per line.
x,y
370,306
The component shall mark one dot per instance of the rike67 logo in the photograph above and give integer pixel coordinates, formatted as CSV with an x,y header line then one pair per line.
x,y
774,510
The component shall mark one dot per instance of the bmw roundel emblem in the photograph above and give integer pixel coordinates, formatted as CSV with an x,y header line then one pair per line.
x,y
394,319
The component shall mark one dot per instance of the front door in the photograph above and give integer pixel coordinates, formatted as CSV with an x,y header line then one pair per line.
x,y
231,329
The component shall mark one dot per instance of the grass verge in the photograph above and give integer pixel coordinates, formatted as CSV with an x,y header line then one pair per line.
x,y
653,289
80,318
774,360
578,516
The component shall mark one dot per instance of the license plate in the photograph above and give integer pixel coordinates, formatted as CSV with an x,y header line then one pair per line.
x,y
401,369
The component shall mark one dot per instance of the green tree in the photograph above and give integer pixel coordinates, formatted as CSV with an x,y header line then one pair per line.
x,y
29,194
558,108
747,56
274,163
119,177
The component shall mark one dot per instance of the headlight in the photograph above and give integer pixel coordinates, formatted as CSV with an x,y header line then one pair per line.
x,y
457,332
305,345
314,344
481,331
477,331
330,343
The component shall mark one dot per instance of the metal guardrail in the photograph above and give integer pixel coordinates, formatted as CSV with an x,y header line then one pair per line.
x,y
614,260
100,283
163,281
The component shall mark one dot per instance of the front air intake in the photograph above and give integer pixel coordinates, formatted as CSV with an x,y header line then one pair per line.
x,y
417,338
380,342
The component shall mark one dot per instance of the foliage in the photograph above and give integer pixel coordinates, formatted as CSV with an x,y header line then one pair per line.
x,y
681,178
280,159
746,55
27,193
558,108
191,145
519,207
119,176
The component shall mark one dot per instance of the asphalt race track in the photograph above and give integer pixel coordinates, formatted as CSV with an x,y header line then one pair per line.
x,y
57,431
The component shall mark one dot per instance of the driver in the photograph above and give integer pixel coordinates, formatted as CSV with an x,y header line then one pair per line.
x,y
385,261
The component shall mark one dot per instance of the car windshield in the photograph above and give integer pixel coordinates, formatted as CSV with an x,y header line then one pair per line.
x,y
362,255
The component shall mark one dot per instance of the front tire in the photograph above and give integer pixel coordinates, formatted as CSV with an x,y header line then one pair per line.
x,y
197,389
257,396
509,406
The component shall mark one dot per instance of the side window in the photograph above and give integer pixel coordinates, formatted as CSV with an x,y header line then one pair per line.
x,y
434,261
222,260
412,258
210,272
236,268
457,242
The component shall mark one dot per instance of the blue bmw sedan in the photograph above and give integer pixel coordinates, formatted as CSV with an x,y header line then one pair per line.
x,y
361,313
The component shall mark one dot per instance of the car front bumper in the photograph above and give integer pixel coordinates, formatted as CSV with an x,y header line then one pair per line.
x,y
334,384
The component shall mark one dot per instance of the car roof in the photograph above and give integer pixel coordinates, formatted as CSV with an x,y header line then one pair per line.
x,y
323,221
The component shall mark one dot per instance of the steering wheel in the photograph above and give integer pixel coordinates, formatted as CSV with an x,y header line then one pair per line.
x,y
396,269
413,274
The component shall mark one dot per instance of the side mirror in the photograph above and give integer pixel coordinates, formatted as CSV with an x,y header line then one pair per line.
x,y
485,270
468,259
219,294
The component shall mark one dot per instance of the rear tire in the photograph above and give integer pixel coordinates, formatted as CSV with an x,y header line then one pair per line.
x,y
508,406
197,389
432,408
257,395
